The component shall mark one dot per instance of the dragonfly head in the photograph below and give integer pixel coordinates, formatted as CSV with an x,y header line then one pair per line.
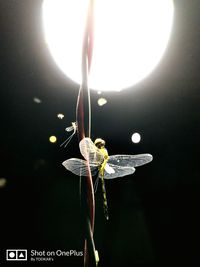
x,y
100,143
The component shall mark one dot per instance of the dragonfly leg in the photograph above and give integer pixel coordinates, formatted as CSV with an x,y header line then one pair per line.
x,y
96,185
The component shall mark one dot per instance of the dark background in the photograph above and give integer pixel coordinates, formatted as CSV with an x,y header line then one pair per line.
x,y
154,214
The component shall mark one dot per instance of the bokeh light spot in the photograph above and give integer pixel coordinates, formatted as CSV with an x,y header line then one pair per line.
x,y
53,139
136,138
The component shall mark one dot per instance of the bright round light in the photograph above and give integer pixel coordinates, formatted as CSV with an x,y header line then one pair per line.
x,y
130,38
52,139
136,137
102,101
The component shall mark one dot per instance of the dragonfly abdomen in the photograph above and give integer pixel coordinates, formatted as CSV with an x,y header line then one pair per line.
x,y
105,203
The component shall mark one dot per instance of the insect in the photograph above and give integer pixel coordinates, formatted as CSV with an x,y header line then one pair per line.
x,y
73,128
103,165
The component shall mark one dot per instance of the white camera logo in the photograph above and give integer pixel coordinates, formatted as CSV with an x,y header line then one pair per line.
x,y
16,254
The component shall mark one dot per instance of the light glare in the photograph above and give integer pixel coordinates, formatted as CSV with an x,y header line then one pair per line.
x,y
130,38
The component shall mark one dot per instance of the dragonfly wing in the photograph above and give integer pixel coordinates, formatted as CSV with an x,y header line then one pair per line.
x,y
130,160
79,167
118,171
90,152
109,169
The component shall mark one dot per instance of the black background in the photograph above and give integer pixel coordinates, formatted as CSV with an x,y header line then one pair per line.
x,y
154,214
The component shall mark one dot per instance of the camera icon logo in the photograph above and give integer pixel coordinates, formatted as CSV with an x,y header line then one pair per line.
x,y
16,254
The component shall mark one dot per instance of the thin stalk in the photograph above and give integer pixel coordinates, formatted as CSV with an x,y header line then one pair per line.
x,y
83,118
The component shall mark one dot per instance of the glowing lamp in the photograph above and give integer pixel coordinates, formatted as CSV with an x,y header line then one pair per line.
x,y
130,38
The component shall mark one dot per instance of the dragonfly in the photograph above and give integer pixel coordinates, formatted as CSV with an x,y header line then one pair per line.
x,y
73,128
104,165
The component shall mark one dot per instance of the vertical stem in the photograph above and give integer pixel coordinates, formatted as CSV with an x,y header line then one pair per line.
x,y
83,118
